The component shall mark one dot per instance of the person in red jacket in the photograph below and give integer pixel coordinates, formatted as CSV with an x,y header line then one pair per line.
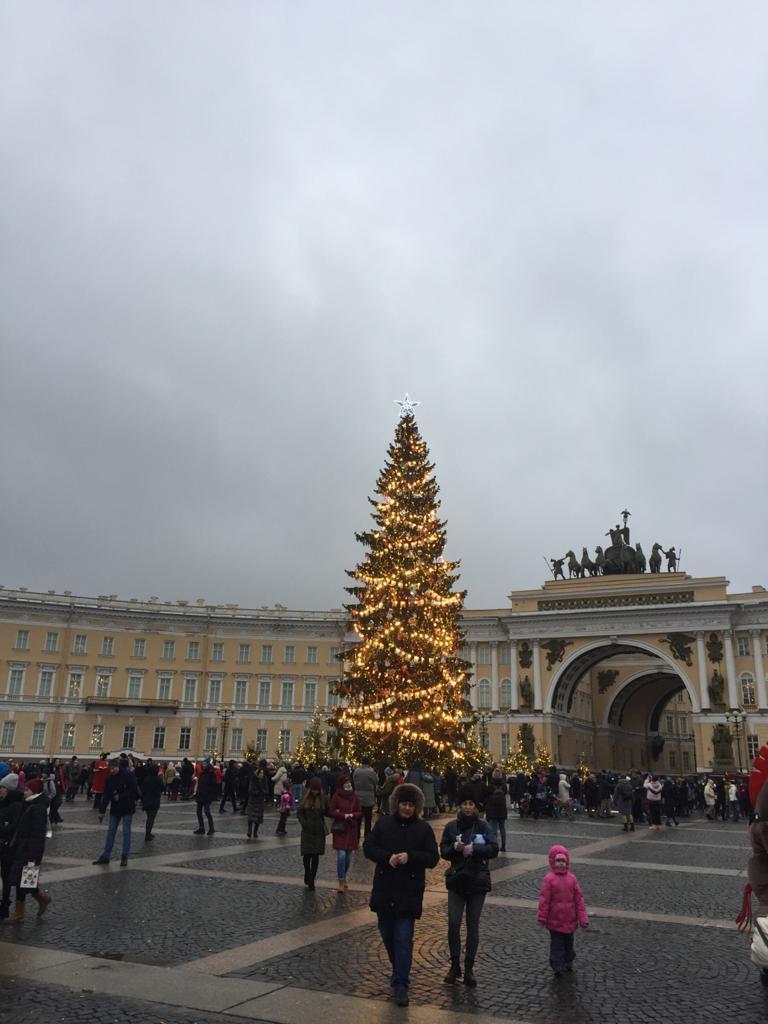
x,y
561,909
98,779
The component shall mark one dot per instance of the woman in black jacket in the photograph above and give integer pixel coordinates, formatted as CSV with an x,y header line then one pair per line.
x,y
11,809
403,848
28,845
151,787
468,843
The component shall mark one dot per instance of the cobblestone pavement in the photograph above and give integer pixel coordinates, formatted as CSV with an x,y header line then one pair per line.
x,y
183,898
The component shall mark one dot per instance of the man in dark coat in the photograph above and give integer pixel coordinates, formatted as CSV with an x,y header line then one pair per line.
x,y
229,788
151,792
120,795
207,790
187,773
403,848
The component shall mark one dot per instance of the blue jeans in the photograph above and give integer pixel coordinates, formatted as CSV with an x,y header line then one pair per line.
x,y
397,936
114,821
297,789
343,860
499,826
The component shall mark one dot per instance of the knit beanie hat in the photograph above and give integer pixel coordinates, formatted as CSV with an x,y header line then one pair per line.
x,y
9,781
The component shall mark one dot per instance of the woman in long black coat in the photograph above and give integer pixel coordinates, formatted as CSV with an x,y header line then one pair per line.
x,y
28,845
151,787
312,812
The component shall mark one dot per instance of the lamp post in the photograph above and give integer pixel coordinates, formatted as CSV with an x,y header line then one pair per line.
x,y
224,714
483,720
737,718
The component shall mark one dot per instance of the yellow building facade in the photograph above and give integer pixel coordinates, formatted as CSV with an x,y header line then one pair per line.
x,y
602,669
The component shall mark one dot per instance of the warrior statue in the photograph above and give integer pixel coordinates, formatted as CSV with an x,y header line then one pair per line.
x,y
557,567
671,557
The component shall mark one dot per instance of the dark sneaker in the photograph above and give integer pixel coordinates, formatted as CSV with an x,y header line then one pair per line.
x,y
199,832
123,862
102,860
401,996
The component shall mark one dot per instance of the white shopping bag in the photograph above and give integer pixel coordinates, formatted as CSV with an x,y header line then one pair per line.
x,y
759,951
30,876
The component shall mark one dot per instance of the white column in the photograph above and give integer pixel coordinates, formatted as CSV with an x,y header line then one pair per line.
x,y
473,659
536,675
494,675
515,696
730,669
701,658
757,650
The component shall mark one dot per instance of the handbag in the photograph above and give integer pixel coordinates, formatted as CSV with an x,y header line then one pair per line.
x,y
30,876
338,827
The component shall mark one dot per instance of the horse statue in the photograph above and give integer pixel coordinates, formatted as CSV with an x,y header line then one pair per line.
x,y
574,568
599,560
587,565
639,558
654,562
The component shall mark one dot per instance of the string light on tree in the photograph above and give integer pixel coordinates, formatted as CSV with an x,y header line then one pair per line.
x,y
404,688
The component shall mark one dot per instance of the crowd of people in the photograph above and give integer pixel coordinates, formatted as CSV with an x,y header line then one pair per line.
x,y
390,806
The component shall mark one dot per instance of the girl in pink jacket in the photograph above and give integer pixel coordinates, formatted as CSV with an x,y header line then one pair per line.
x,y
561,909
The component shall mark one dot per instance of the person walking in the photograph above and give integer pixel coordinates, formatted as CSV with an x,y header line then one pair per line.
x,y
496,808
468,843
72,774
653,788
733,800
311,815
151,789
561,909
258,797
623,798
669,801
365,782
27,847
186,775
206,793
346,812
710,799
287,803
564,801
11,809
99,776
403,848
120,795
229,788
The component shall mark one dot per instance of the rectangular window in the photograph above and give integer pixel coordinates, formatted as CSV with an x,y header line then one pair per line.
x,y
107,646
169,652
236,743
265,693
45,686
742,645
139,648
22,640
333,656
284,744
51,642
15,682
672,759
214,691
505,694
102,685
129,735
8,734
266,654
217,652
193,651
752,746
484,693
483,654
686,760
682,726
504,654
261,741
244,654
158,741
670,725
78,647
210,738
241,692
311,655
164,688
38,735
286,695
75,685
97,737
289,656
190,691
134,687
310,695
68,737
505,743
185,737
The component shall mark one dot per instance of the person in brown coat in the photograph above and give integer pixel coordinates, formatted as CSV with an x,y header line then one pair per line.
x,y
346,812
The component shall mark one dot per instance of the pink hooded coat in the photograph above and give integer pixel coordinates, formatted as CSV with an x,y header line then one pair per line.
x,y
561,902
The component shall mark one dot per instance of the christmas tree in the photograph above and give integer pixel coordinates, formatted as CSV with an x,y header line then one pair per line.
x,y
543,758
312,749
404,688
518,760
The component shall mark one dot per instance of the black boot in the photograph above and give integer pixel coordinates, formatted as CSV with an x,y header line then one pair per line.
x,y
469,975
454,971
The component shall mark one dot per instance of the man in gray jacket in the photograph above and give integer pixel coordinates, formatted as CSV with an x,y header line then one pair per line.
x,y
366,781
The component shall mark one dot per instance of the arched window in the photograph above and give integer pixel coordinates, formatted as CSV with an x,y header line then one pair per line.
x,y
483,693
747,681
505,696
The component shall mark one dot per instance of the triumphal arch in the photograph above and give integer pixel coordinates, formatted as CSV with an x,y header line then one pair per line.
x,y
622,667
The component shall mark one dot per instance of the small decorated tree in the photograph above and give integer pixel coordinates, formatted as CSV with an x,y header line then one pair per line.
x,y
312,748
543,758
518,760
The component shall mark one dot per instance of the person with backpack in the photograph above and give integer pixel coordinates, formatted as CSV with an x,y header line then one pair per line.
x,y
120,795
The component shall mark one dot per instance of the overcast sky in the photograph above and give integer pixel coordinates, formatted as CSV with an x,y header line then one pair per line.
x,y
231,234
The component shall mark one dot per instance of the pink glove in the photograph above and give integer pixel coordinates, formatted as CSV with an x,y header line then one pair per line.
x,y
468,850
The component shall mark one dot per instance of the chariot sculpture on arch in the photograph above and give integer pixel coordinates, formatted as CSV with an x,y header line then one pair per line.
x,y
620,557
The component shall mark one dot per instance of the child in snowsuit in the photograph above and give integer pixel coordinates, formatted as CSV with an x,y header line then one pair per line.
x,y
286,806
561,909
